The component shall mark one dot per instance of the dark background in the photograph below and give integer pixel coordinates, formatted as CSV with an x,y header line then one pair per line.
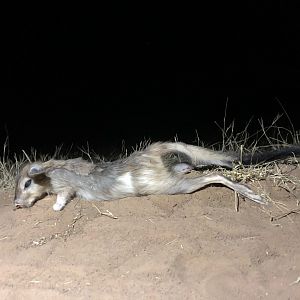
x,y
103,76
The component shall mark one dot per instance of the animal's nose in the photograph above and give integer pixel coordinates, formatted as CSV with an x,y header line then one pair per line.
x,y
17,203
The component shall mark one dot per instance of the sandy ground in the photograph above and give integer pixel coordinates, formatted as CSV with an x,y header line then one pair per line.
x,y
160,247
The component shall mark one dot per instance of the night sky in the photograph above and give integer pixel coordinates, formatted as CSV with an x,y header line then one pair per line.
x,y
103,77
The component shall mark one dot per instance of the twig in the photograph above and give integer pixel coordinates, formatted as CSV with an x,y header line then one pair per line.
x,y
108,213
236,201
34,281
43,240
296,281
175,240
294,211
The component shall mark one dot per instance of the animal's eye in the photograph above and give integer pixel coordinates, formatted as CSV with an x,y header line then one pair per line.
x,y
27,183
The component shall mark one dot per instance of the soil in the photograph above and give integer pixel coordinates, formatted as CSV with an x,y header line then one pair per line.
x,y
193,246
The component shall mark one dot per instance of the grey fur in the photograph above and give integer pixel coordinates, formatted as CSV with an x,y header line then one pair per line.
x,y
158,169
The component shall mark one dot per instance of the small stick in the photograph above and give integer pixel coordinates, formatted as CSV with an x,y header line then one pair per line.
x,y
296,281
175,240
108,213
295,211
236,201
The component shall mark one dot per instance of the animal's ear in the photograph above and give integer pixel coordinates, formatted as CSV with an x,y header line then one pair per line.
x,y
42,168
35,170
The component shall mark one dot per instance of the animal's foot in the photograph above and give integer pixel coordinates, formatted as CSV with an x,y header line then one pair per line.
x,y
251,195
183,168
58,206
257,198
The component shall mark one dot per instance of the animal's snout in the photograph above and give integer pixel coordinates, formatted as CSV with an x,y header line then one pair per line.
x,y
18,203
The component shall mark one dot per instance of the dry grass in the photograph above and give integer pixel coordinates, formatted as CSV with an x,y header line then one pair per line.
x,y
268,137
8,168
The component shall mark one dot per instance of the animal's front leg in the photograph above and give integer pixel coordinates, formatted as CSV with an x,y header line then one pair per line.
x,y
62,199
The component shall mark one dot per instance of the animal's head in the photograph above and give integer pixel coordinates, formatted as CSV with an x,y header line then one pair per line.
x,y
32,184
34,179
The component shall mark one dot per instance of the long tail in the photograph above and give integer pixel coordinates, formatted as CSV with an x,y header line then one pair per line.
x,y
199,156
270,155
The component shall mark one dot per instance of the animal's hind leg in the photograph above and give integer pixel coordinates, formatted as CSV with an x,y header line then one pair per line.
x,y
189,185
